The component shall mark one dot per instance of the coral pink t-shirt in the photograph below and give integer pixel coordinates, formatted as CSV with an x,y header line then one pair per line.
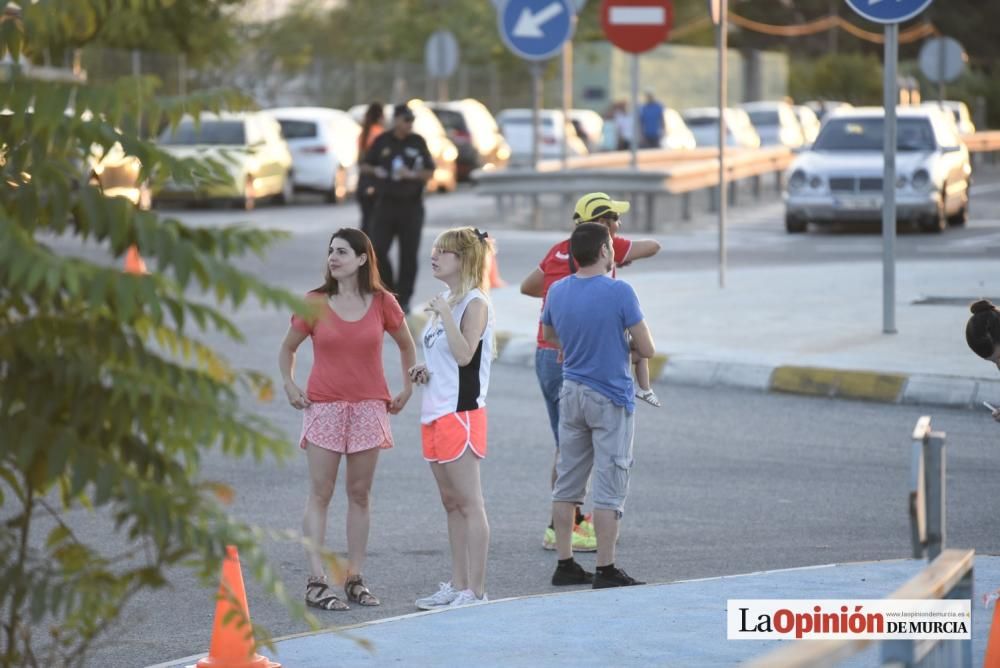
x,y
347,356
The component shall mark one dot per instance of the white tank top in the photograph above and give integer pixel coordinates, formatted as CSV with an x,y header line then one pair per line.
x,y
452,389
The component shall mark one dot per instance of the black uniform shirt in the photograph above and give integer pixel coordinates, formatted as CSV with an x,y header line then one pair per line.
x,y
415,155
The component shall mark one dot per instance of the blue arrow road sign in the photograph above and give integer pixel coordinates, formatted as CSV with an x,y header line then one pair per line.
x,y
536,29
888,11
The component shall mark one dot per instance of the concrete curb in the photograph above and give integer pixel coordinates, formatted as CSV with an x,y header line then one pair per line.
x,y
856,384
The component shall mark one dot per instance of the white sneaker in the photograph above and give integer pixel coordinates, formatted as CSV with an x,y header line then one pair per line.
x,y
439,599
467,597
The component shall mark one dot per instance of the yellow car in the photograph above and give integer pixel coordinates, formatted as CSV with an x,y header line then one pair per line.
x,y
256,158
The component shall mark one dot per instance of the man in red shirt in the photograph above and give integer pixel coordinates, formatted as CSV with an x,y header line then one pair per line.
x,y
557,264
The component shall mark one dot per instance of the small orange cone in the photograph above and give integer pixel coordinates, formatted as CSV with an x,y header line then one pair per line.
x,y
232,642
992,659
493,268
134,264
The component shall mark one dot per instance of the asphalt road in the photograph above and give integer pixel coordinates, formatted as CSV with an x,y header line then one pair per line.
x,y
726,482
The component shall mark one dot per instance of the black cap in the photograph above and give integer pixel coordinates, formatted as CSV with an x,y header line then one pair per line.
x,y
401,111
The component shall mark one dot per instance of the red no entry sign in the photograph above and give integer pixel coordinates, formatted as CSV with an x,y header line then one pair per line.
x,y
636,26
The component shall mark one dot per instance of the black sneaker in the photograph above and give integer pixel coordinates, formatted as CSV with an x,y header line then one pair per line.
x,y
571,575
614,578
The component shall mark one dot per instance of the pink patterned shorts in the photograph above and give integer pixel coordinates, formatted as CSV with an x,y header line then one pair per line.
x,y
346,427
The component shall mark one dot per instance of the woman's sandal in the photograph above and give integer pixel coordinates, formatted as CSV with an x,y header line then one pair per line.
x,y
648,396
358,593
317,597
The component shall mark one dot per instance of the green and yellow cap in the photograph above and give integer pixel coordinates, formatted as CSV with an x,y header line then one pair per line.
x,y
594,205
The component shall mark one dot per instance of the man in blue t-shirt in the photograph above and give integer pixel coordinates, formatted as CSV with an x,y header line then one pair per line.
x,y
588,315
651,122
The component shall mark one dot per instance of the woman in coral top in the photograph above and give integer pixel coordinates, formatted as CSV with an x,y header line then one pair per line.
x,y
346,404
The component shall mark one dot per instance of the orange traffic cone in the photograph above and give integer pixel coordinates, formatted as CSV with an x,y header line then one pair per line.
x,y
493,279
232,641
134,264
992,659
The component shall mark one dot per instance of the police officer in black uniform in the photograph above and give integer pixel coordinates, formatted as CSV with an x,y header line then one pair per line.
x,y
401,164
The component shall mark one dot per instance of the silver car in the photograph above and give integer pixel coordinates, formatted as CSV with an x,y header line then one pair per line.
x,y
840,178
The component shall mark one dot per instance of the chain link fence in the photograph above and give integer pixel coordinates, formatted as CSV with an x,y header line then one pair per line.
x,y
326,82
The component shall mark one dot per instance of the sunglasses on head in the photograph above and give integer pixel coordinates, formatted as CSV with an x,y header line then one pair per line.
x,y
610,215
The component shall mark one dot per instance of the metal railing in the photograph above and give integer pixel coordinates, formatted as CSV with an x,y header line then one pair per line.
x,y
671,173
949,575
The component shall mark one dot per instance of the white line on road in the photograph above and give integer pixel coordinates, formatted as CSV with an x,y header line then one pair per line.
x,y
637,16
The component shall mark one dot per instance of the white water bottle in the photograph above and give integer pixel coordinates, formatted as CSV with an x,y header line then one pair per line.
x,y
397,166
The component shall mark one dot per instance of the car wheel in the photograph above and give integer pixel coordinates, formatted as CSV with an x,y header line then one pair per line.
x,y
795,225
287,194
338,190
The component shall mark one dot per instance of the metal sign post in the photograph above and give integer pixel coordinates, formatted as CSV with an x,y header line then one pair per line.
x,y
723,190
891,14
441,59
890,101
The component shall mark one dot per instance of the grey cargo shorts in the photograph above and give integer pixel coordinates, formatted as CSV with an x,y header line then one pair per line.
x,y
594,434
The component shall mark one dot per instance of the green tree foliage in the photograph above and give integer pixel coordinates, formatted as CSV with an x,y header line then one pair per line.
x,y
108,399
852,77
204,30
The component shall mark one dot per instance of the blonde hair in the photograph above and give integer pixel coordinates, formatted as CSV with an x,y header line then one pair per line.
x,y
471,247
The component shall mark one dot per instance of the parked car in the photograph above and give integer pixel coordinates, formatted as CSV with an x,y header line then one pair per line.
x,y
809,122
775,123
427,125
475,133
704,124
516,127
677,135
250,146
960,111
324,147
589,127
840,177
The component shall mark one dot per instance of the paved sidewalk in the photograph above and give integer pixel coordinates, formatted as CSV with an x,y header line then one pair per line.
x,y
805,329
675,624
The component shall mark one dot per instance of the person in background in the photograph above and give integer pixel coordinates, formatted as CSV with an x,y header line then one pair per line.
x,y
371,128
982,333
651,122
402,164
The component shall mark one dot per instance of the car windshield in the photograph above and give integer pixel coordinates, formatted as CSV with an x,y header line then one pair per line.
x,y
451,120
220,133
764,117
297,129
865,134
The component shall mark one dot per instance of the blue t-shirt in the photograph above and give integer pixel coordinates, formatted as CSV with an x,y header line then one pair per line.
x,y
651,120
590,316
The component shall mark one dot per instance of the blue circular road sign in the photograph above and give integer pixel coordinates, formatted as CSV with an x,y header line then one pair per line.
x,y
536,29
888,11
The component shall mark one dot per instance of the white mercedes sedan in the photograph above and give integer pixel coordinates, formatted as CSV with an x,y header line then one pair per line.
x,y
839,179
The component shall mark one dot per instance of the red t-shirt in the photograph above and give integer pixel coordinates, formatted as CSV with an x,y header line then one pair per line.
x,y
347,356
555,266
